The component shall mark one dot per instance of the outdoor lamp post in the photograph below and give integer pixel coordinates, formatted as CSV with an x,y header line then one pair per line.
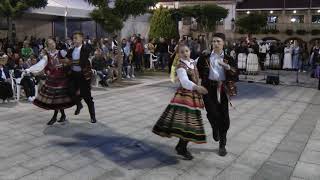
x,y
65,23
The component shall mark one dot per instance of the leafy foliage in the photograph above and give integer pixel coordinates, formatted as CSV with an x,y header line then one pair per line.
x,y
11,9
162,24
252,23
205,15
14,8
111,18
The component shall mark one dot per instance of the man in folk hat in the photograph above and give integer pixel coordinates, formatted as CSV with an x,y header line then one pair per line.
x,y
218,74
81,74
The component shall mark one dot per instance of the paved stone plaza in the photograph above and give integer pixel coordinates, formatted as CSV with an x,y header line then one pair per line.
x,y
274,135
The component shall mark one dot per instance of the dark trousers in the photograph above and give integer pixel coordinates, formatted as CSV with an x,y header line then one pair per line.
x,y
217,113
146,59
262,59
5,90
138,61
78,82
319,84
28,86
163,59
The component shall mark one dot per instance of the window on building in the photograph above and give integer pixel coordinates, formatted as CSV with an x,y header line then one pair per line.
x,y
316,19
272,19
297,19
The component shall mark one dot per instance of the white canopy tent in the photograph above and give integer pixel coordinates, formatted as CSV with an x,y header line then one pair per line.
x,y
69,8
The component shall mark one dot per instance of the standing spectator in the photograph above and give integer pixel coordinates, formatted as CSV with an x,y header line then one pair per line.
x,y
304,57
262,54
138,54
26,51
172,53
114,42
126,54
162,50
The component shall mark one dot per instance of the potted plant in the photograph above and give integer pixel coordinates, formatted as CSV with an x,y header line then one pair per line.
x,y
301,32
289,32
275,31
315,32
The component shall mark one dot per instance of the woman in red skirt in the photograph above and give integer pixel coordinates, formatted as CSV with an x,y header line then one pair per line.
x,y
182,117
53,94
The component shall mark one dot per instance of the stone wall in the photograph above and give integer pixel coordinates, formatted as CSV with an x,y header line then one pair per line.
x,y
33,27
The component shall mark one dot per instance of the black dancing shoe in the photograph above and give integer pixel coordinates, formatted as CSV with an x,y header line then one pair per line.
x,y
184,152
222,151
93,120
63,118
52,121
79,107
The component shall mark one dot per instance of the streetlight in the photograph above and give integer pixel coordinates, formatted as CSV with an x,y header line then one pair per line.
x,y
248,12
271,12
318,11
294,12
65,21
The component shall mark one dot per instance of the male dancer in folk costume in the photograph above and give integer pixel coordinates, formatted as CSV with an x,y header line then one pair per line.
x,y
218,74
80,75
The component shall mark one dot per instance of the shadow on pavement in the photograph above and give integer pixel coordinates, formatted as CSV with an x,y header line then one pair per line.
x,y
125,151
245,91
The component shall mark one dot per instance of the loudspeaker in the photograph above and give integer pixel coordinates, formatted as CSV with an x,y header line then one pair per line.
x,y
273,80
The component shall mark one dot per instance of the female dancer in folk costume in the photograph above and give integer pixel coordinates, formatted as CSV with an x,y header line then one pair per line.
x,y
252,62
182,117
53,94
287,61
242,52
296,55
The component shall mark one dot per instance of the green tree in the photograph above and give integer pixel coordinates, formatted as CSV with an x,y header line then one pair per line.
x,y
111,18
162,24
206,16
252,23
11,9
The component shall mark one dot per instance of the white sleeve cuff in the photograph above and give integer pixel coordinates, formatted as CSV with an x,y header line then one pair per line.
x,y
184,79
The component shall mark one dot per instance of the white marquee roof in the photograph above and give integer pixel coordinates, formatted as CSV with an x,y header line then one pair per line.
x,y
75,8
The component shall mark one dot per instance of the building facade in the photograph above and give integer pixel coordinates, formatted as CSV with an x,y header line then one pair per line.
x,y
286,19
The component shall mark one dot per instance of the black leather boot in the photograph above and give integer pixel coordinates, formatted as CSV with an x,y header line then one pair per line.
x,y
63,117
181,149
222,145
79,107
215,134
92,113
53,119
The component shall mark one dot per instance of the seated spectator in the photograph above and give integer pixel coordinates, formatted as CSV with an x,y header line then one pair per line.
x,y
112,69
26,81
11,59
99,64
26,51
5,86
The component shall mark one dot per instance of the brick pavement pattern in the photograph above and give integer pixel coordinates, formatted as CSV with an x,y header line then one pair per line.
x,y
274,134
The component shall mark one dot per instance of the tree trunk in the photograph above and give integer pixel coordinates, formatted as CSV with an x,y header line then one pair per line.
x,y
10,38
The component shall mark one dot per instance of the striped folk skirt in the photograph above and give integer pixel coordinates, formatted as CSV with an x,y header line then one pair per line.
x,y
54,94
182,118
